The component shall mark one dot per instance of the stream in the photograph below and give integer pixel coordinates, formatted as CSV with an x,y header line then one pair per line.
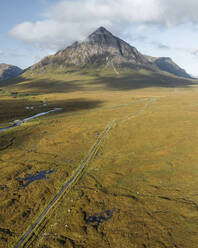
x,y
19,123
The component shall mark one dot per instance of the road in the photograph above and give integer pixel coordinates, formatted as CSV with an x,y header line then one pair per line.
x,y
64,188
67,184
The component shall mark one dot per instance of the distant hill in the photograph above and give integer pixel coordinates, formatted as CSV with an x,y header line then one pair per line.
x,y
9,71
102,48
168,65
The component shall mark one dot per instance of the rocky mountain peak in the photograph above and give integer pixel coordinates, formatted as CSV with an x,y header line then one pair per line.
x,y
101,34
101,31
102,48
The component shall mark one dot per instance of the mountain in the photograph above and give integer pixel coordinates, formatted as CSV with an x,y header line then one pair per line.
x,y
168,65
102,48
9,71
98,49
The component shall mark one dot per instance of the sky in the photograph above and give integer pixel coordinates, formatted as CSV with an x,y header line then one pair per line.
x,y
31,30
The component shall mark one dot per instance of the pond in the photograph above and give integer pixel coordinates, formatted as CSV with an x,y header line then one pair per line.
x,y
97,219
31,178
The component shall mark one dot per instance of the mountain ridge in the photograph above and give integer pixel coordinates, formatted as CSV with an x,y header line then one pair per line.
x,y
102,48
8,71
168,65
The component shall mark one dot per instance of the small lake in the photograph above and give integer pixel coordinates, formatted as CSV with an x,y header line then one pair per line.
x,y
31,178
97,219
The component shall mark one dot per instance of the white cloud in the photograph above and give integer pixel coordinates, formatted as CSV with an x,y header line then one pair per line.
x,y
1,52
160,45
71,20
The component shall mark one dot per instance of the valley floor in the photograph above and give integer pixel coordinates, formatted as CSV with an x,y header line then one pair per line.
x,y
139,189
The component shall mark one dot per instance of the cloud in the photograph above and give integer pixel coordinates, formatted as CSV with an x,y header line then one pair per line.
x,y
188,50
177,12
194,52
13,54
160,45
71,20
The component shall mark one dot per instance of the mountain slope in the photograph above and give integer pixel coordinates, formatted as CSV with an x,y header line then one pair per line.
x,y
99,49
9,71
168,65
102,48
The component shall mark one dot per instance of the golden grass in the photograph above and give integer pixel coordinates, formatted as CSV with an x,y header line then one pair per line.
x,y
145,168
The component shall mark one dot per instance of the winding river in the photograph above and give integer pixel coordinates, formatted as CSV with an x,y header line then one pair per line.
x,y
19,123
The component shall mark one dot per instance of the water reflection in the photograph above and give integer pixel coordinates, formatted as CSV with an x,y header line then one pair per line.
x,y
20,122
31,178
97,219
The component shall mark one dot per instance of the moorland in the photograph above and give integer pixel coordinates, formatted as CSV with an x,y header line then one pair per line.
x,y
139,189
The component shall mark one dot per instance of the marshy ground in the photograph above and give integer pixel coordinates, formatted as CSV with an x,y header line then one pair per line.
x,y
140,188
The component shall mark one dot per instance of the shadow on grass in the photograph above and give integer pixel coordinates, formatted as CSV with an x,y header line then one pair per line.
x,y
20,136
38,86
52,86
17,111
75,104
108,80
139,81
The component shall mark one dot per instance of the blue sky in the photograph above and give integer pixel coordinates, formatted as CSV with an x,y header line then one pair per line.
x,y
30,30
12,50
